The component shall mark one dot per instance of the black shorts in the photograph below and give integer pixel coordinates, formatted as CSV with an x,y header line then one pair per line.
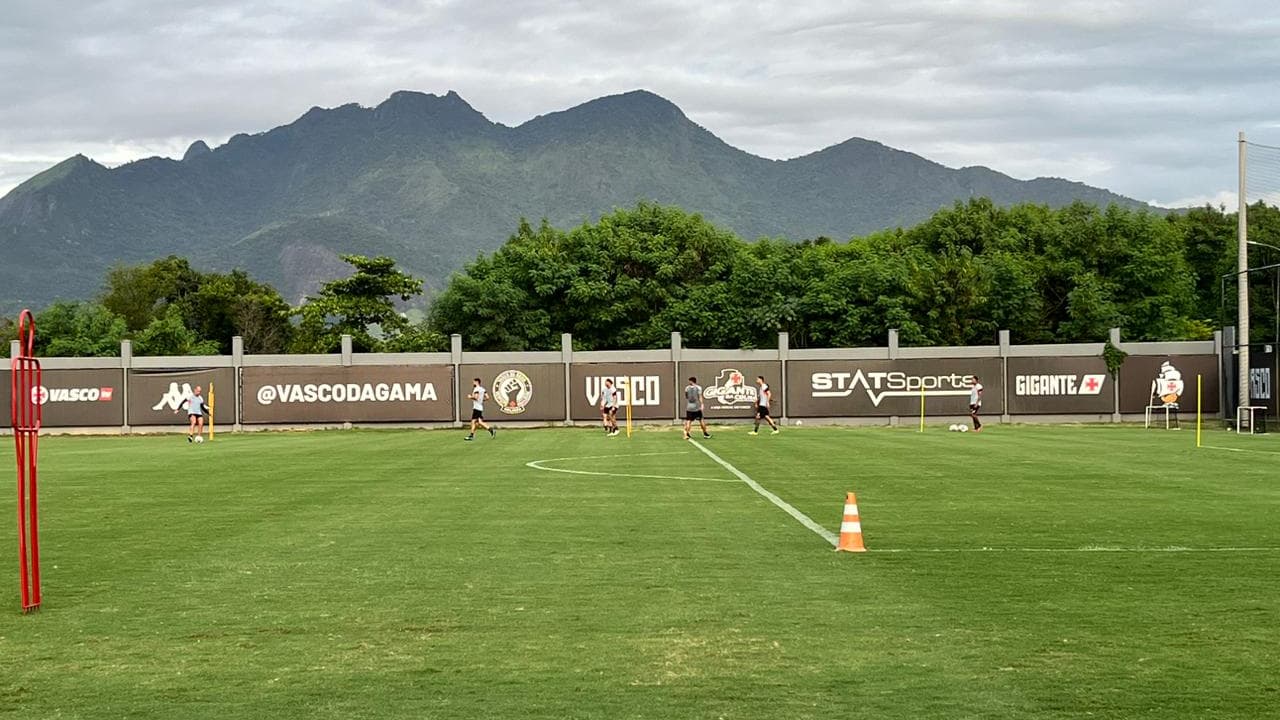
x,y
973,409
477,414
609,411
193,416
762,411
691,415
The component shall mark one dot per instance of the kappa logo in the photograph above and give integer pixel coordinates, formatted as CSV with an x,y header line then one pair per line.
x,y
730,389
512,390
173,397
883,384
43,395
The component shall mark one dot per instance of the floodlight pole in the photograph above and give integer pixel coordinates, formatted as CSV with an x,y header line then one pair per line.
x,y
1242,285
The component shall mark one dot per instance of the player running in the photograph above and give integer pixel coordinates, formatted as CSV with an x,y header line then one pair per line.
x,y
478,394
763,397
694,407
196,408
975,403
609,408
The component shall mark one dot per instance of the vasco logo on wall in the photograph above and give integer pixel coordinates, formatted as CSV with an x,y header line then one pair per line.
x,y
646,388
730,390
1168,385
512,390
42,395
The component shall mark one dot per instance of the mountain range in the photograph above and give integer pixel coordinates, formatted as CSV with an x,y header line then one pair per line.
x,y
429,180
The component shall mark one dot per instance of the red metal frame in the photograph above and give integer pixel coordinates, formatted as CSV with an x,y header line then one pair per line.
x,y
25,413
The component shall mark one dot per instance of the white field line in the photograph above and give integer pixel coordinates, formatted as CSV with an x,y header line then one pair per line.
x,y
538,465
1172,549
834,540
803,519
1243,450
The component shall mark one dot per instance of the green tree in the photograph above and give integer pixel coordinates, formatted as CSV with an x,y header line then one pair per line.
x,y
972,269
140,293
215,306
223,306
1209,246
612,284
169,335
418,337
78,329
362,305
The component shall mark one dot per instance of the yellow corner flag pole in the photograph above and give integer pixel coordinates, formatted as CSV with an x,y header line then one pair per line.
x,y
922,408
1199,392
629,386
211,404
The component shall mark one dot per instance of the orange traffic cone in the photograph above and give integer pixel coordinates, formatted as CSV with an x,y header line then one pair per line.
x,y
851,527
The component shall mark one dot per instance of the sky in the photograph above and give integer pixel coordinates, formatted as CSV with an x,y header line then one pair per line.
x,y
1142,97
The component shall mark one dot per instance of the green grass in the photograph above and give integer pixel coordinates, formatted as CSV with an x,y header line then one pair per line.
x,y
411,575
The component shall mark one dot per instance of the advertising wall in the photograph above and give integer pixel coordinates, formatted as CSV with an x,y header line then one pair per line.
x,y
270,391
518,391
1156,379
653,385
729,388
1060,386
879,388
75,398
156,396
347,394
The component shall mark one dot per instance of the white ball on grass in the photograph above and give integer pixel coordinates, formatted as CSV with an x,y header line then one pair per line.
x,y
199,438
799,422
964,428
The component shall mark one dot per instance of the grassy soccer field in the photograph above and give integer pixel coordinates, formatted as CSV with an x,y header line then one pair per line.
x,y
1024,572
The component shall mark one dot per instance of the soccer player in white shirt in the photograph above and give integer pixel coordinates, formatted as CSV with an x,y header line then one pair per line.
x,y
975,403
609,408
478,394
764,396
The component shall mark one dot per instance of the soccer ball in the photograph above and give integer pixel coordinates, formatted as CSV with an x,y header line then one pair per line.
x,y
799,422
953,427
199,438
962,428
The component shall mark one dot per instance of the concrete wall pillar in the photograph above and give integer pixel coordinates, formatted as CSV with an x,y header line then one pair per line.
x,y
126,362
346,351
1003,339
1114,337
784,355
566,357
237,367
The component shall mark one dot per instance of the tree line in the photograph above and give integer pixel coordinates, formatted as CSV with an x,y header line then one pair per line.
x,y
1046,275
631,278
168,308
